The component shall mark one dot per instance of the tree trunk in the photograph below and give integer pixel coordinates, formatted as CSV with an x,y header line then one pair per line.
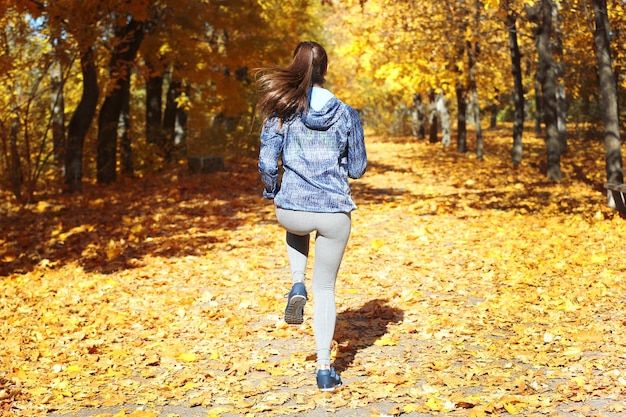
x,y
154,105
518,88
561,114
130,37
432,117
538,107
417,114
472,51
169,118
180,131
126,150
80,122
444,111
15,166
461,140
57,110
541,16
613,158
561,119
493,123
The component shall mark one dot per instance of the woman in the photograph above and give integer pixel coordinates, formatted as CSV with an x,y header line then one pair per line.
x,y
320,142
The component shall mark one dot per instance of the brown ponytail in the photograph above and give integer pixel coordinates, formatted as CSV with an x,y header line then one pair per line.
x,y
285,91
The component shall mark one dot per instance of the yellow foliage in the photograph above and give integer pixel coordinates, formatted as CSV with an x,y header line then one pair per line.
x,y
461,276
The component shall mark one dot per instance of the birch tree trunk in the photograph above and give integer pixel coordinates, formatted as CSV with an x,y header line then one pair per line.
x,y
417,115
444,112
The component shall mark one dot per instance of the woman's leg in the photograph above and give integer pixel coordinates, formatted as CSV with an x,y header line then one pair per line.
x,y
333,231
298,254
298,225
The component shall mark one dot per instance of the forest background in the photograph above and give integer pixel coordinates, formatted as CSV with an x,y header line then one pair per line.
x,y
97,89
491,129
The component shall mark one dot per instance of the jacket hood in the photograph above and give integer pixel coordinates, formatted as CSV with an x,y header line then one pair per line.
x,y
325,117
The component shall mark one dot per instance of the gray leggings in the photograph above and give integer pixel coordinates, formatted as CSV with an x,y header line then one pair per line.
x,y
333,231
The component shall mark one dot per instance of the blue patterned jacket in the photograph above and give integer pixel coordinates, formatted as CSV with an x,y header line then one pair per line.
x,y
319,151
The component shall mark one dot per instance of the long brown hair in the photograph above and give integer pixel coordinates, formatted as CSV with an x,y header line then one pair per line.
x,y
285,91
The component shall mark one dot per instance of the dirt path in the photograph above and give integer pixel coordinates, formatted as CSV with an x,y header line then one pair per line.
x,y
468,289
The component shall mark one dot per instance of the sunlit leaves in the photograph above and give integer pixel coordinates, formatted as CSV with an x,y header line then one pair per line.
x,y
459,293
395,49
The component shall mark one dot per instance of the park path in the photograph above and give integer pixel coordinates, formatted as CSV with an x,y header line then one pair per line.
x,y
468,289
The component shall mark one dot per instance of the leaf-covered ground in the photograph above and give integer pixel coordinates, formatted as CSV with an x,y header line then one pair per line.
x,y
469,288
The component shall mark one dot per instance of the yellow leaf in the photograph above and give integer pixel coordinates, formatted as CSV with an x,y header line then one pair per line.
x,y
573,351
386,340
38,391
599,259
73,368
62,393
511,408
111,282
579,380
434,404
188,357
142,413
377,243
440,365
190,385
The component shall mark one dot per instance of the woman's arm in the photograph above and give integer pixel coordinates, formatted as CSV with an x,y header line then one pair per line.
x,y
271,149
357,156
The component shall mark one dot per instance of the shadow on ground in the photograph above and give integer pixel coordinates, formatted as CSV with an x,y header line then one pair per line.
x,y
359,328
179,214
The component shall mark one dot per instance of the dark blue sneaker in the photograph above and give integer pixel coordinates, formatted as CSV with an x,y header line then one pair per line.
x,y
327,379
294,312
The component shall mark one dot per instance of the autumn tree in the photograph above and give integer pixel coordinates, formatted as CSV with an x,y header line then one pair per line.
x,y
511,18
541,15
27,121
81,121
57,105
201,56
65,17
86,27
199,53
128,37
165,80
608,88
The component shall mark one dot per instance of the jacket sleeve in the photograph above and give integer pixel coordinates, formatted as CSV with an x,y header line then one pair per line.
x,y
357,156
271,149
